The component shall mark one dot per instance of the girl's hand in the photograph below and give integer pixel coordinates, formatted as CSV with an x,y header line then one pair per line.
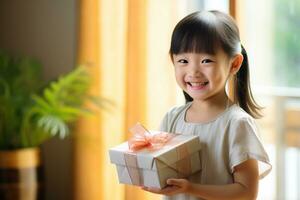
x,y
175,186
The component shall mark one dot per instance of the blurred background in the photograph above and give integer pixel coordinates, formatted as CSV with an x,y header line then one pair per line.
x,y
127,41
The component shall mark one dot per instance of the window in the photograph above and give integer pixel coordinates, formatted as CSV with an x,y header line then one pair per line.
x,y
270,32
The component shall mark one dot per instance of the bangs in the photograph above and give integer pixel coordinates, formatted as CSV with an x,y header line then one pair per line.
x,y
195,35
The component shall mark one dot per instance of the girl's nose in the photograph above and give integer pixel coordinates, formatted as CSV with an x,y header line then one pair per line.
x,y
194,71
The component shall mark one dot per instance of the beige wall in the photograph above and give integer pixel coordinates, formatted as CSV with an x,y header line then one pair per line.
x,y
45,29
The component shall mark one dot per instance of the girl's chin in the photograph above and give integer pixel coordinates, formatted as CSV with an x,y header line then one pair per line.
x,y
197,96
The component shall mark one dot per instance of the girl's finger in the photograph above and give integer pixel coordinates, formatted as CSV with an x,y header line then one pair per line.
x,y
176,182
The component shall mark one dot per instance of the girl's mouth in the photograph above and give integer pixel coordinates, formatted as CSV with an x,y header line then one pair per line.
x,y
197,85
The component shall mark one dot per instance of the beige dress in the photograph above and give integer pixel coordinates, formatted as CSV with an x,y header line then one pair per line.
x,y
227,141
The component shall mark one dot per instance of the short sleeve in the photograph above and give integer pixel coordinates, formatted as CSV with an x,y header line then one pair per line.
x,y
244,144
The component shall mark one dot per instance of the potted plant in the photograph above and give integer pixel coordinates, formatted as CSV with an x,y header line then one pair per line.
x,y
31,112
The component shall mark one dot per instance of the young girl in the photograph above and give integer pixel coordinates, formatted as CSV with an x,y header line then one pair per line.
x,y
206,51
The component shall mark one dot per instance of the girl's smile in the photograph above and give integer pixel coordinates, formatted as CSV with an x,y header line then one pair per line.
x,y
197,85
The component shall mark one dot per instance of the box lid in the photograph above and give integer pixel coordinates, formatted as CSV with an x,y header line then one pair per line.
x,y
168,154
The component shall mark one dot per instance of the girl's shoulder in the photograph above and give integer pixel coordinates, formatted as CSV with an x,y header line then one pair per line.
x,y
236,115
236,112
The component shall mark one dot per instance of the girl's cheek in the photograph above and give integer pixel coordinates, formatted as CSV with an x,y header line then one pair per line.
x,y
179,73
216,76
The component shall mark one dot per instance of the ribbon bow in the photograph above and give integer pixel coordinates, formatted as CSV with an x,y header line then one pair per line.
x,y
143,138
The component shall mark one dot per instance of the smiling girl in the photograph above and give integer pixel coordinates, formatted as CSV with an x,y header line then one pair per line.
x,y
206,51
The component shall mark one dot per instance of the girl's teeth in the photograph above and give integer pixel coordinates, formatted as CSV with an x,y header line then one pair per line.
x,y
198,84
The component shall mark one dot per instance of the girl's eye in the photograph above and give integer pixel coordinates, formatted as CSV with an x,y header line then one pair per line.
x,y
206,61
182,61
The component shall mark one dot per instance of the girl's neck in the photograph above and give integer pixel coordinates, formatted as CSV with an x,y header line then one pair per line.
x,y
220,101
207,110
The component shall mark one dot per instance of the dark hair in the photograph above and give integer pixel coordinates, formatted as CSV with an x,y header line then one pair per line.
x,y
206,32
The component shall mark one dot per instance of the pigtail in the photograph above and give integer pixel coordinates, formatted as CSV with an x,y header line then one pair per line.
x,y
242,90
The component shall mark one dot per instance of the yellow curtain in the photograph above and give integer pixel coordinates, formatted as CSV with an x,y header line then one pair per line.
x,y
126,44
87,141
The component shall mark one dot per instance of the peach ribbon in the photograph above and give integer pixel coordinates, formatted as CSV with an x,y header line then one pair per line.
x,y
143,138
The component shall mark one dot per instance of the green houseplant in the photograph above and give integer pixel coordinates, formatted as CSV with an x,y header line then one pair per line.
x,y
33,111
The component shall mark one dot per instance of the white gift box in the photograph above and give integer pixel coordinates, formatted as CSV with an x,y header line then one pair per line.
x,y
178,158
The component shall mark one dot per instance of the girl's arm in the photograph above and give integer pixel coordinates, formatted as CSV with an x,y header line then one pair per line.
x,y
245,185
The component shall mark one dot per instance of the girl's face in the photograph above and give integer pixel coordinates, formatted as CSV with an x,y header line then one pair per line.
x,y
202,75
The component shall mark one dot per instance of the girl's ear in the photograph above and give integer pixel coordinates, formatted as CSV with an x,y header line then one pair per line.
x,y
236,63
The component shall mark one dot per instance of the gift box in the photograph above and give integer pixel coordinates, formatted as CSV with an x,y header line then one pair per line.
x,y
151,157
